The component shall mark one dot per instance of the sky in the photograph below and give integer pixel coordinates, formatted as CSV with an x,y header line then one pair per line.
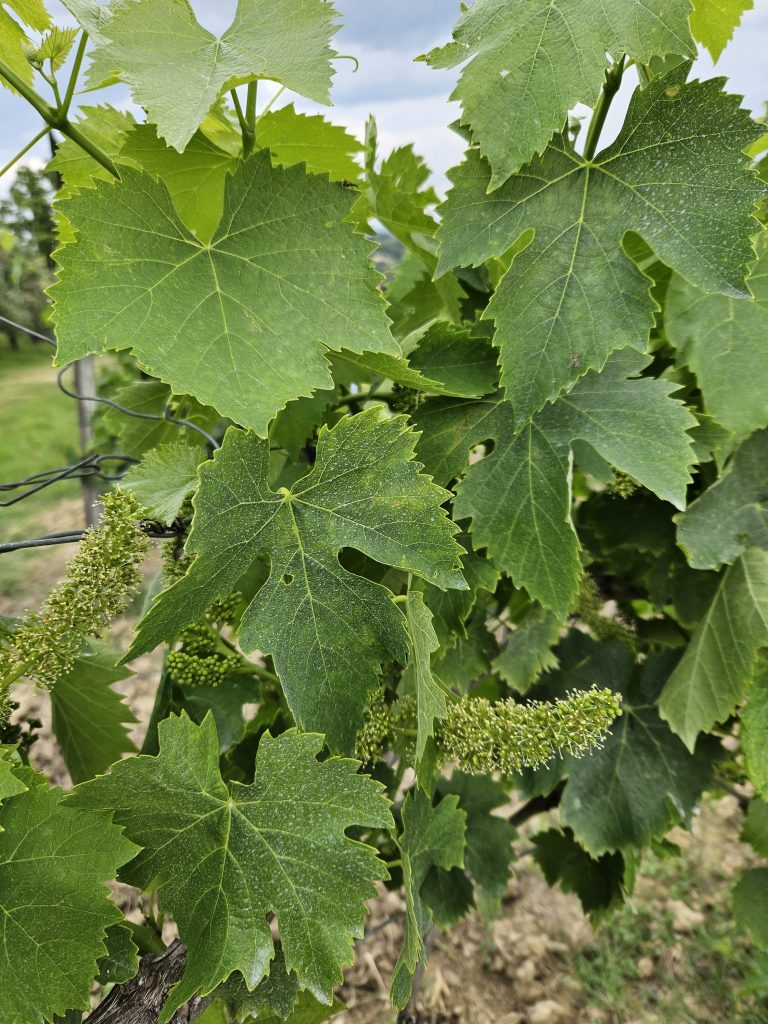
x,y
409,99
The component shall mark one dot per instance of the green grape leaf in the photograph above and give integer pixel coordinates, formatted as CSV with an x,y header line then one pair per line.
x,y
755,831
519,496
464,364
165,478
275,846
54,47
452,608
137,435
121,962
309,139
430,696
417,302
712,676
432,836
399,197
750,904
107,128
242,323
307,1011
297,422
88,718
754,730
572,295
489,837
276,993
732,514
646,779
195,179
469,657
225,702
31,12
177,69
529,649
13,38
529,64
327,630
10,783
713,22
598,882
722,339
54,859
448,894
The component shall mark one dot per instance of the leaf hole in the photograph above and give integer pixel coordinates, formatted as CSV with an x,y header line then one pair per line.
x,y
287,578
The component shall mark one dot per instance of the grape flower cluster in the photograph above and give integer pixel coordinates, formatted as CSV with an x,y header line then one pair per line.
x,y
482,737
97,585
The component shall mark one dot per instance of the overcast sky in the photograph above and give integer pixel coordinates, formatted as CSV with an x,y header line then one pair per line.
x,y
409,99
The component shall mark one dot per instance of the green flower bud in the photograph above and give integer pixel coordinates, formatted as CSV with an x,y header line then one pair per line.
x,y
96,587
192,670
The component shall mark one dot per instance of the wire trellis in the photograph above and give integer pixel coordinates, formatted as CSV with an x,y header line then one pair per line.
x,y
91,466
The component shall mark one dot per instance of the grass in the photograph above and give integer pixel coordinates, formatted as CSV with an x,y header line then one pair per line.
x,y
38,424
641,969
38,430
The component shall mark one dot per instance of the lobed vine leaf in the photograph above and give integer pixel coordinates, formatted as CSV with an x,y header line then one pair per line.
x,y
242,323
597,881
54,859
675,176
276,846
195,179
165,478
327,630
518,497
325,148
177,69
530,64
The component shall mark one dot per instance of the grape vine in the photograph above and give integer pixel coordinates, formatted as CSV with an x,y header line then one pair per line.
x,y
490,529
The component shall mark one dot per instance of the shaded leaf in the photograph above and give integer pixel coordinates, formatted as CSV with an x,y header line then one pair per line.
x,y
732,514
712,676
722,339
431,836
89,719
164,479
598,882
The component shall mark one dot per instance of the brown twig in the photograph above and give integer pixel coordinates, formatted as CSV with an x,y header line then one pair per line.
x,y
140,1000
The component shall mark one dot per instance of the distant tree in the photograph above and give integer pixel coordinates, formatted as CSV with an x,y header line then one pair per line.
x,y
27,240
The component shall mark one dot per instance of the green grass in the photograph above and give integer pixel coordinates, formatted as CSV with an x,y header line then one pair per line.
x,y
38,424
709,974
38,430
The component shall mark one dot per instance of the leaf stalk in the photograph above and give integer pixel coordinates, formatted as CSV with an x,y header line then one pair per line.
x,y
610,87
